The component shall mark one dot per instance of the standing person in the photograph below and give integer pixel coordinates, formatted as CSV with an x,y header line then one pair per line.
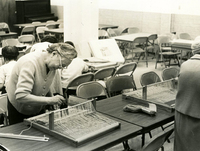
x,y
30,81
187,109
9,54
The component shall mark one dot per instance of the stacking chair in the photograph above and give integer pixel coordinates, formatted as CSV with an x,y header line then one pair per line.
x,y
197,38
102,74
60,20
10,42
135,52
51,26
130,30
35,22
125,69
150,48
3,108
111,32
149,78
40,32
4,27
165,52
91,90
185,36
170,73
28,30
61,25
158,141
116,85
71,88
26,39
103,34
50,21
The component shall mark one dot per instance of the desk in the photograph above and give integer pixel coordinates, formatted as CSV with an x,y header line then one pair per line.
x,y
114,107
103,142
105,27
183,45
131,37
36,25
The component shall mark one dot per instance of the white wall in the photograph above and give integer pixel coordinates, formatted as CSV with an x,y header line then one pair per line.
x,y
159,6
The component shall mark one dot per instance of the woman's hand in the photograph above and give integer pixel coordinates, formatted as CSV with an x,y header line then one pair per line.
x,y
58,99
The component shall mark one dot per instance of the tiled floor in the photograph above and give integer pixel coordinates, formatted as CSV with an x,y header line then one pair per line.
x,y
135,143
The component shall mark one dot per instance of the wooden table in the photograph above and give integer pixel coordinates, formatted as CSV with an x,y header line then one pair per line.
x,y
114,107
105,26
125,132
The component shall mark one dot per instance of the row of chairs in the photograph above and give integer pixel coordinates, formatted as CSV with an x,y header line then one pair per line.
x,y
101,76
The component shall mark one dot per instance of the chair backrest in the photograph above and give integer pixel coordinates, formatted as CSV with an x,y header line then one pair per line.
x,y
185,36
115,85
26,39
170,73
61,25
140,40
149,78
60,20
10,42
50,21
4,26
36,22
132,30
90,90
111,32
28,30
197,38
158,141
51,26
40,32
104,73
103,34
164,41
3,107
152,38
125,68
81,79
3,103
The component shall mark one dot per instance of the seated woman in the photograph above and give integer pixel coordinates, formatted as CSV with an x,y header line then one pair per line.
x,y
74,69
9,54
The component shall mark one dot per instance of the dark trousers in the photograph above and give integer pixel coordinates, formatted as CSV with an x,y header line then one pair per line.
x,y
14,116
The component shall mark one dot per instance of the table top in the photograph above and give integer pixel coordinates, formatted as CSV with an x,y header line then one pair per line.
x,y
55,31
131,37
105,26
126,131
114,107
3,34
36,24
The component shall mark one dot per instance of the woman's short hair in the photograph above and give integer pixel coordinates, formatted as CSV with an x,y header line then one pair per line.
x,y
10,52
70,42
66,50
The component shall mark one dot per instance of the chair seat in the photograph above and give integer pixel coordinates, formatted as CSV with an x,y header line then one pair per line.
x,y
170,53
137,50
